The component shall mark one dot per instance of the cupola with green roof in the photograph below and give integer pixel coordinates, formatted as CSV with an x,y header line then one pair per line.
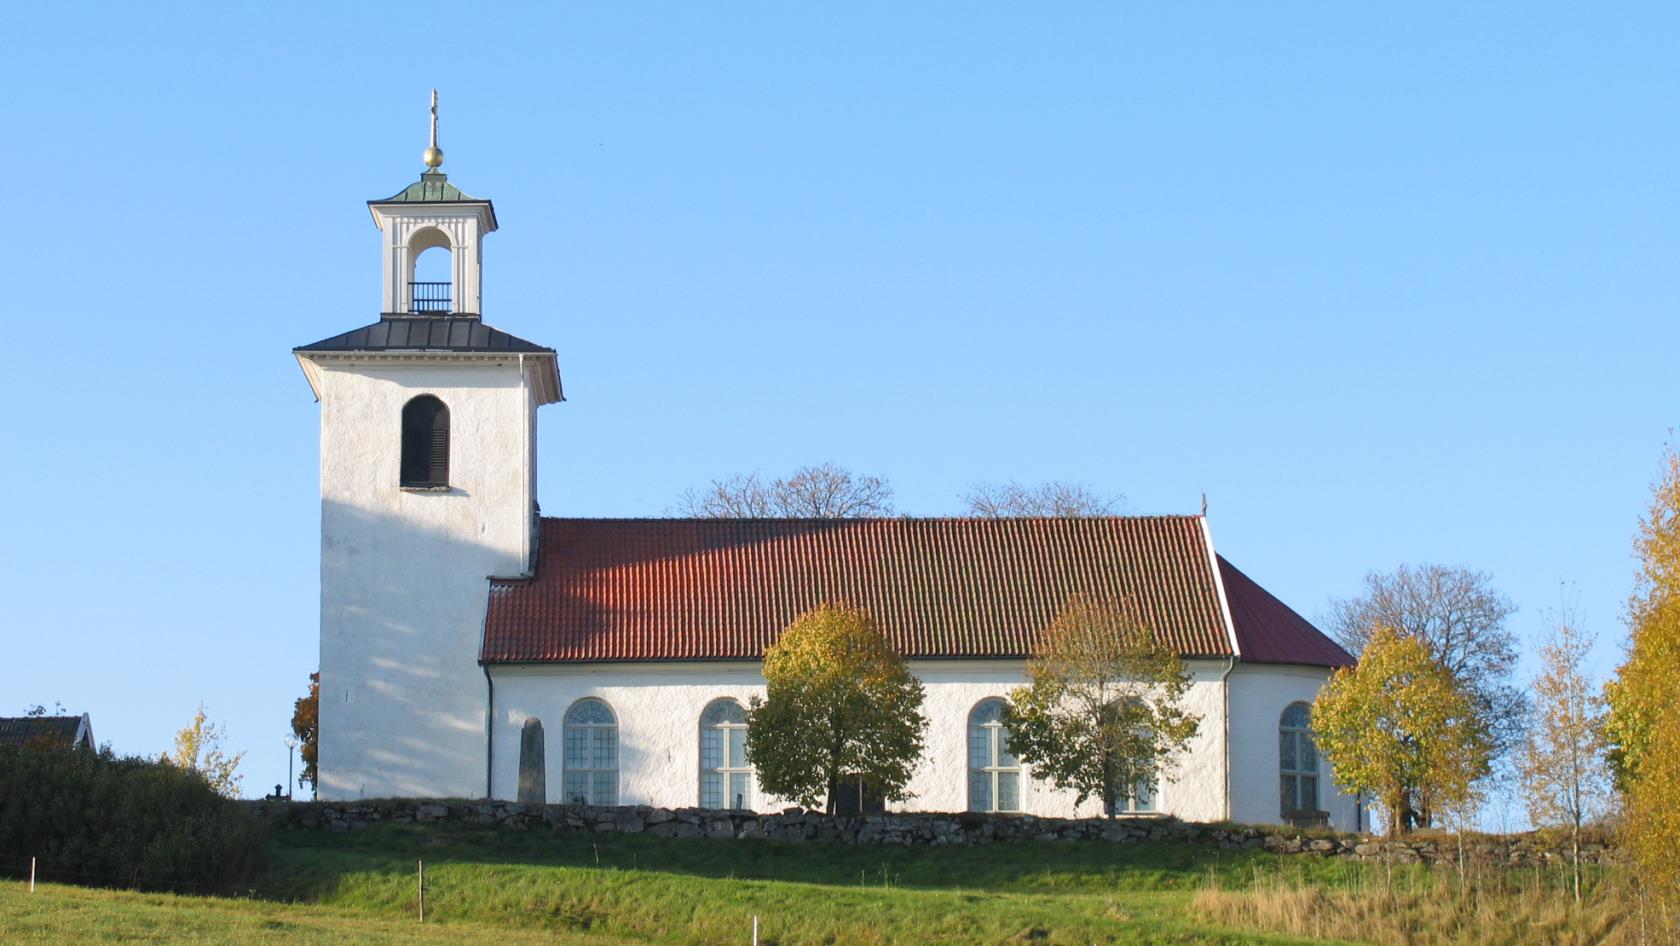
x,y
429,214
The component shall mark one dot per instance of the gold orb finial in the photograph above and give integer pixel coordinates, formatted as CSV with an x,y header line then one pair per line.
x,y
433,155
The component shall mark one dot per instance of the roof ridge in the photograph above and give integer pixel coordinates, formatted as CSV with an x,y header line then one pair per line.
x,y
1173,517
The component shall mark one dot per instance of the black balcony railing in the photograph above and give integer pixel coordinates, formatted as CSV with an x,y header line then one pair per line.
x,y
428,297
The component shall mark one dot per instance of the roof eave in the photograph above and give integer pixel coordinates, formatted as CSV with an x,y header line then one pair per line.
x,y
546,382
311,371
487,212
1219,589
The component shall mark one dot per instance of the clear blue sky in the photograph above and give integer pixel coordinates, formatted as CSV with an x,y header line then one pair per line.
x,y
1390,285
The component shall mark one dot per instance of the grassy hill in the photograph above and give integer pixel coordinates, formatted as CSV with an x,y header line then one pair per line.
x,y
487,885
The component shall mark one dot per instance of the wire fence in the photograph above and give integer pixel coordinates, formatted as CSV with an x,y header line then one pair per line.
x,y
34,870
18,868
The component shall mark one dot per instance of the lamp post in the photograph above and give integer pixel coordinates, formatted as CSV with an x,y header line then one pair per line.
x,y
291,751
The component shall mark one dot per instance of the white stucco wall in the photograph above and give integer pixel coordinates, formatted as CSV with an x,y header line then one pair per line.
x,y
403,572
658,707
1259,695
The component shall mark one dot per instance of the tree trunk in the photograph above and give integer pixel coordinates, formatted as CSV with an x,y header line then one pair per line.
x,y
836,748
1108,787
1575,859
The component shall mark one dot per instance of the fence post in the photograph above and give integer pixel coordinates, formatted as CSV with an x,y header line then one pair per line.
x,y
422,866
755,929
32,875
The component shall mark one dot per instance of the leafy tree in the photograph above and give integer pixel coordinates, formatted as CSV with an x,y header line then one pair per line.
x,y
1643,724
1054,498
1460,617
839,703
1401,727
198,746
811,492
39,710
1562,764
306,714
1103,711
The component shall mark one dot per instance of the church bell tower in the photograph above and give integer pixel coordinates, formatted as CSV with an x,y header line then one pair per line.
x,y
428,486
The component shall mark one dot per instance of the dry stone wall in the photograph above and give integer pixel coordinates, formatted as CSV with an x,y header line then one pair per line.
x,y
793,824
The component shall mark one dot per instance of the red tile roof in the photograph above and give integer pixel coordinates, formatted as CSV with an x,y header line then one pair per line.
x,y
723,589
1270,632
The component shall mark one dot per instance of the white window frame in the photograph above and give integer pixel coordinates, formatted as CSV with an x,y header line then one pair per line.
x,y
591,733
1147,789
996,736
725,771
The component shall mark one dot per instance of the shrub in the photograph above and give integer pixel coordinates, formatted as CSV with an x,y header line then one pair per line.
x,y
100,819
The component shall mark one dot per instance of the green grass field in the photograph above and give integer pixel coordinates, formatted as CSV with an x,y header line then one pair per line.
x,y
487,885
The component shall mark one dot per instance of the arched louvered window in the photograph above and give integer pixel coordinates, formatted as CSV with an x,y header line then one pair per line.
x,y
1297,762
591,764
994,774
725,776
425,442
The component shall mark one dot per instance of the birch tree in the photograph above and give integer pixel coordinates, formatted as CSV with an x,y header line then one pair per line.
x,y
198,746
1562,764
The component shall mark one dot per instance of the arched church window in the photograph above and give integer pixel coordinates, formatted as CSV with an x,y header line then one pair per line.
x,y
591,763
994,773
1141,796
425,442
1297,761
725,776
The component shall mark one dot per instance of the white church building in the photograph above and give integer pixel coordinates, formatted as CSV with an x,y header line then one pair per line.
x,y
471,647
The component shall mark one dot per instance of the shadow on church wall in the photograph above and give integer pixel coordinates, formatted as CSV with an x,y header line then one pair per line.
x,y
402,696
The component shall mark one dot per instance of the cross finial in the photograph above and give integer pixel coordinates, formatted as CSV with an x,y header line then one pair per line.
x,y
434,155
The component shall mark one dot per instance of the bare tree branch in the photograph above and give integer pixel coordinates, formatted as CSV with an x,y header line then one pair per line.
x,y
1055,498
1461,617
825,491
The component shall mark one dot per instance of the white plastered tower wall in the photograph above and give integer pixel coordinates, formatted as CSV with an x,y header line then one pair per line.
x,y
658,708
404,568
403,571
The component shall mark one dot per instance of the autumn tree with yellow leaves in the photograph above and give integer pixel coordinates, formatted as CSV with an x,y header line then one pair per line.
x,y
1562,762
1643,727
839,704
198,746
1400,727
